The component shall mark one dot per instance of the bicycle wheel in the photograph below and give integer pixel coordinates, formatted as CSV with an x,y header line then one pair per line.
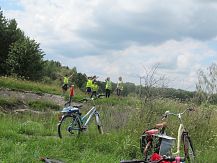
x,y
70,126
188,149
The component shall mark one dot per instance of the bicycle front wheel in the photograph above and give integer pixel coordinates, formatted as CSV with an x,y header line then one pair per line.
x,y
99,124
189,150
70,126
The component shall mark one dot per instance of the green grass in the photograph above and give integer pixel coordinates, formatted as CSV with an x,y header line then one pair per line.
x,y
43,105
16,84
28,136
5,102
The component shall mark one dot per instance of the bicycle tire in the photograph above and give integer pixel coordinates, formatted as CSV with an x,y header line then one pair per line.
x,y
70,126
188,149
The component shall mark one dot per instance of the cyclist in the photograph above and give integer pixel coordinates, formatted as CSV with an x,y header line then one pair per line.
x,y
65,83
94,88
108,87
120,86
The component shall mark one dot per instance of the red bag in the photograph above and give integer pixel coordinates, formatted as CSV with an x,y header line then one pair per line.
x,y
157,157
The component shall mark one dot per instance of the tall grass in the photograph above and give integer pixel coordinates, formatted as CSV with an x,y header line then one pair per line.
x,y
27,137
30,136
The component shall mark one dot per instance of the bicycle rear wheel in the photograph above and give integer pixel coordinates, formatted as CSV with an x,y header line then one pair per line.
x,y
70,126
189,150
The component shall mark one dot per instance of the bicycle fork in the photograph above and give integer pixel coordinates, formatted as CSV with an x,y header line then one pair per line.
x,y
98,122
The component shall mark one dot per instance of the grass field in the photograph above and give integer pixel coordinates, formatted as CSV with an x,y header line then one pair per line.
x,y
26,137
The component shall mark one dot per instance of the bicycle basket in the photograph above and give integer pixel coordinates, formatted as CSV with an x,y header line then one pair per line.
x,y
166,144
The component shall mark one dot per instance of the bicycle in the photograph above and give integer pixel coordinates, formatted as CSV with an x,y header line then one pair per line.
x,y
183,136
72,123
153,141
156,141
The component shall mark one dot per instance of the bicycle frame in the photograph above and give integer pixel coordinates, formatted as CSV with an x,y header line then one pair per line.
x,y
86,118
179,137
181,130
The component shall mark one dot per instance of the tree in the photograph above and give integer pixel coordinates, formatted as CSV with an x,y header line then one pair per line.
x,y
25,59
50,69
80,80
129,88
150,81
9,33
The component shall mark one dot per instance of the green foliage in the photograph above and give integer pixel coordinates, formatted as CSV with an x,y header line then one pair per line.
x,y
6,103
129,88
19,54
50,70
43,105
9,33
80,80
25,59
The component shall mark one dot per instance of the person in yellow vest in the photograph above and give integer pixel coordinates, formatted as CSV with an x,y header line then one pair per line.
x,y
108,87
65,85
120,86
94,88
89,85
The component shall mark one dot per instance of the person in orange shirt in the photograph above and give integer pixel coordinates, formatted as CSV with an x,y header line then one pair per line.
x,y
71,94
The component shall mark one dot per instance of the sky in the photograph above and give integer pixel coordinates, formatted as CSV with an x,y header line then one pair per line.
x,y
123,37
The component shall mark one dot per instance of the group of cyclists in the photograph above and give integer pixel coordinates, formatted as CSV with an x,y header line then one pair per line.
x,y
92,86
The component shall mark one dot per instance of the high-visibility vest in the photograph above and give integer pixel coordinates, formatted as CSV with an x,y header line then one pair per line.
x,y
95,87
120,85
66,80
108,85
89,83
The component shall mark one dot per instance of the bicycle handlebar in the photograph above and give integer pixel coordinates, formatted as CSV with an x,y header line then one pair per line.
x,y
167,113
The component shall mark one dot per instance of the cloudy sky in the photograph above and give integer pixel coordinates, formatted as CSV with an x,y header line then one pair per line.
x,y
123,37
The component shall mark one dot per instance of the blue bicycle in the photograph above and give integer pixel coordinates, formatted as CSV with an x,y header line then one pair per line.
x,y
72,123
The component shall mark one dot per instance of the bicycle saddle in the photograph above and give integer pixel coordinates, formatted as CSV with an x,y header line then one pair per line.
x,y
152,131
